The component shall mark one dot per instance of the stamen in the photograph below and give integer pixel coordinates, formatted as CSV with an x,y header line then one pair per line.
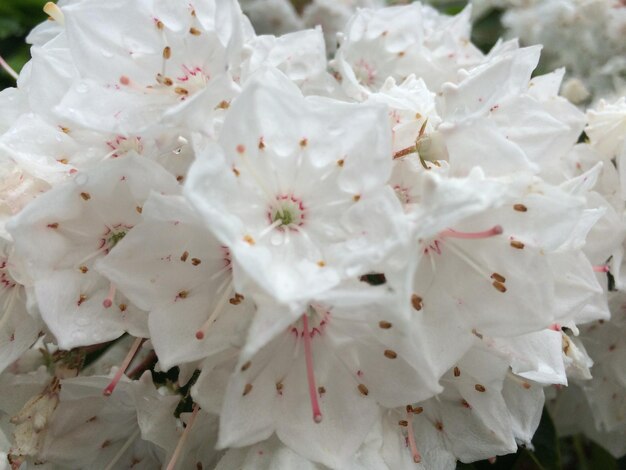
x,y
108,302
417,458
308,356
123,449
181,442
7,68
493,231
127,360
204,328
601,269
52,10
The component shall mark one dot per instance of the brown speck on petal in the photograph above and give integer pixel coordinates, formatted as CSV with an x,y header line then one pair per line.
x,y
194,31
499,286
403,422
321,390
385,325
167,52
363,390
83,269
195,261
249,240
517,244
498,277
340,162
390,354
184,256
417,410
139,209
457,371
246,366
223,105
520,207
416,302
247,389
480,388
85,196
279,387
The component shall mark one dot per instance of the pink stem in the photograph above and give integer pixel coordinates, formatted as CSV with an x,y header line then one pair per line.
x,y
179,447
317,414
108,302
493,231
417,458
127,360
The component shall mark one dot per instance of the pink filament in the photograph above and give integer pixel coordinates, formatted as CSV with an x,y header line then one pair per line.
x,y
417,458
493,231
108,302
179,447
127,360
601,269
317,414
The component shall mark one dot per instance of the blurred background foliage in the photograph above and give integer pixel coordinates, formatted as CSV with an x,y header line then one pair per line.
x,y
18,17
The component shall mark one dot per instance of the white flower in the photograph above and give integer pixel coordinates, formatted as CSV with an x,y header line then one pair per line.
x,y
332,16
296,189
18,329
171,267
586,36
398,41
158,62
338,358
63,232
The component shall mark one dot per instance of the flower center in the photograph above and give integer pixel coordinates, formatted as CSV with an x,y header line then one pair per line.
x,y
116,237
122,145
112,237
287,211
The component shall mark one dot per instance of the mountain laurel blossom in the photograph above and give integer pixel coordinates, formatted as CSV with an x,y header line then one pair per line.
x,y
365,245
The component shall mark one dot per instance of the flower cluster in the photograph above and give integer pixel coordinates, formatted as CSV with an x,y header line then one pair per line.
x,y
374,261
586,36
